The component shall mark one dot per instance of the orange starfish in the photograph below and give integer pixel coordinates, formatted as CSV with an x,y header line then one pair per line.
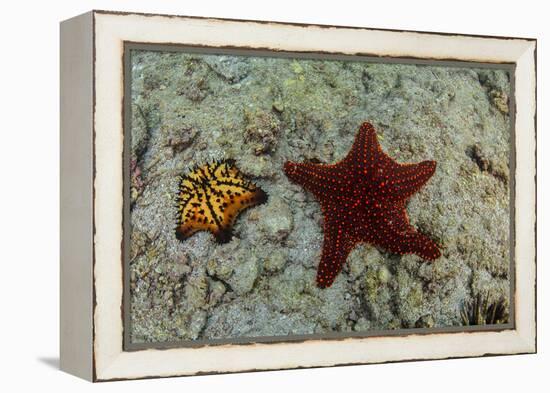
x,y
211,197
363,199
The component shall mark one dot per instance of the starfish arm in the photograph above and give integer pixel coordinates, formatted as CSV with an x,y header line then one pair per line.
x,y
319,179
401,180
404,180
398,236
336,247
414,243
365,148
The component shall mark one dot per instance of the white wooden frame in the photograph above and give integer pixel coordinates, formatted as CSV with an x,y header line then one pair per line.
x,y
92,183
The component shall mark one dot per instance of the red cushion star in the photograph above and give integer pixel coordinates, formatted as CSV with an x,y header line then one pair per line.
x,y
363,199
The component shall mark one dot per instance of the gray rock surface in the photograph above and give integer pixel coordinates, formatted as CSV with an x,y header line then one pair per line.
x,y
261,111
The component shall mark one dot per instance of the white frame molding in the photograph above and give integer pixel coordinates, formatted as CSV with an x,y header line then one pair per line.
x,y
95,348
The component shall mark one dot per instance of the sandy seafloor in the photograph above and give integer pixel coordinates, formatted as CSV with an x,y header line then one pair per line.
x,y
261,111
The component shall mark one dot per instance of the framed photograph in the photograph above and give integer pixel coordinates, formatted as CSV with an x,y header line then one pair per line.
x,y
248,195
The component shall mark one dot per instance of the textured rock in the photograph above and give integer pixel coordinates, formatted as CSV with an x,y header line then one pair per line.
x,y
276,221
244,275
275,261
262,131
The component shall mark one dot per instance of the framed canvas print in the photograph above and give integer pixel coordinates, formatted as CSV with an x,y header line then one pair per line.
x,y
246,195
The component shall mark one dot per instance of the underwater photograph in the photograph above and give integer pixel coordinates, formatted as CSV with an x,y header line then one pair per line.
x,y
273,196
